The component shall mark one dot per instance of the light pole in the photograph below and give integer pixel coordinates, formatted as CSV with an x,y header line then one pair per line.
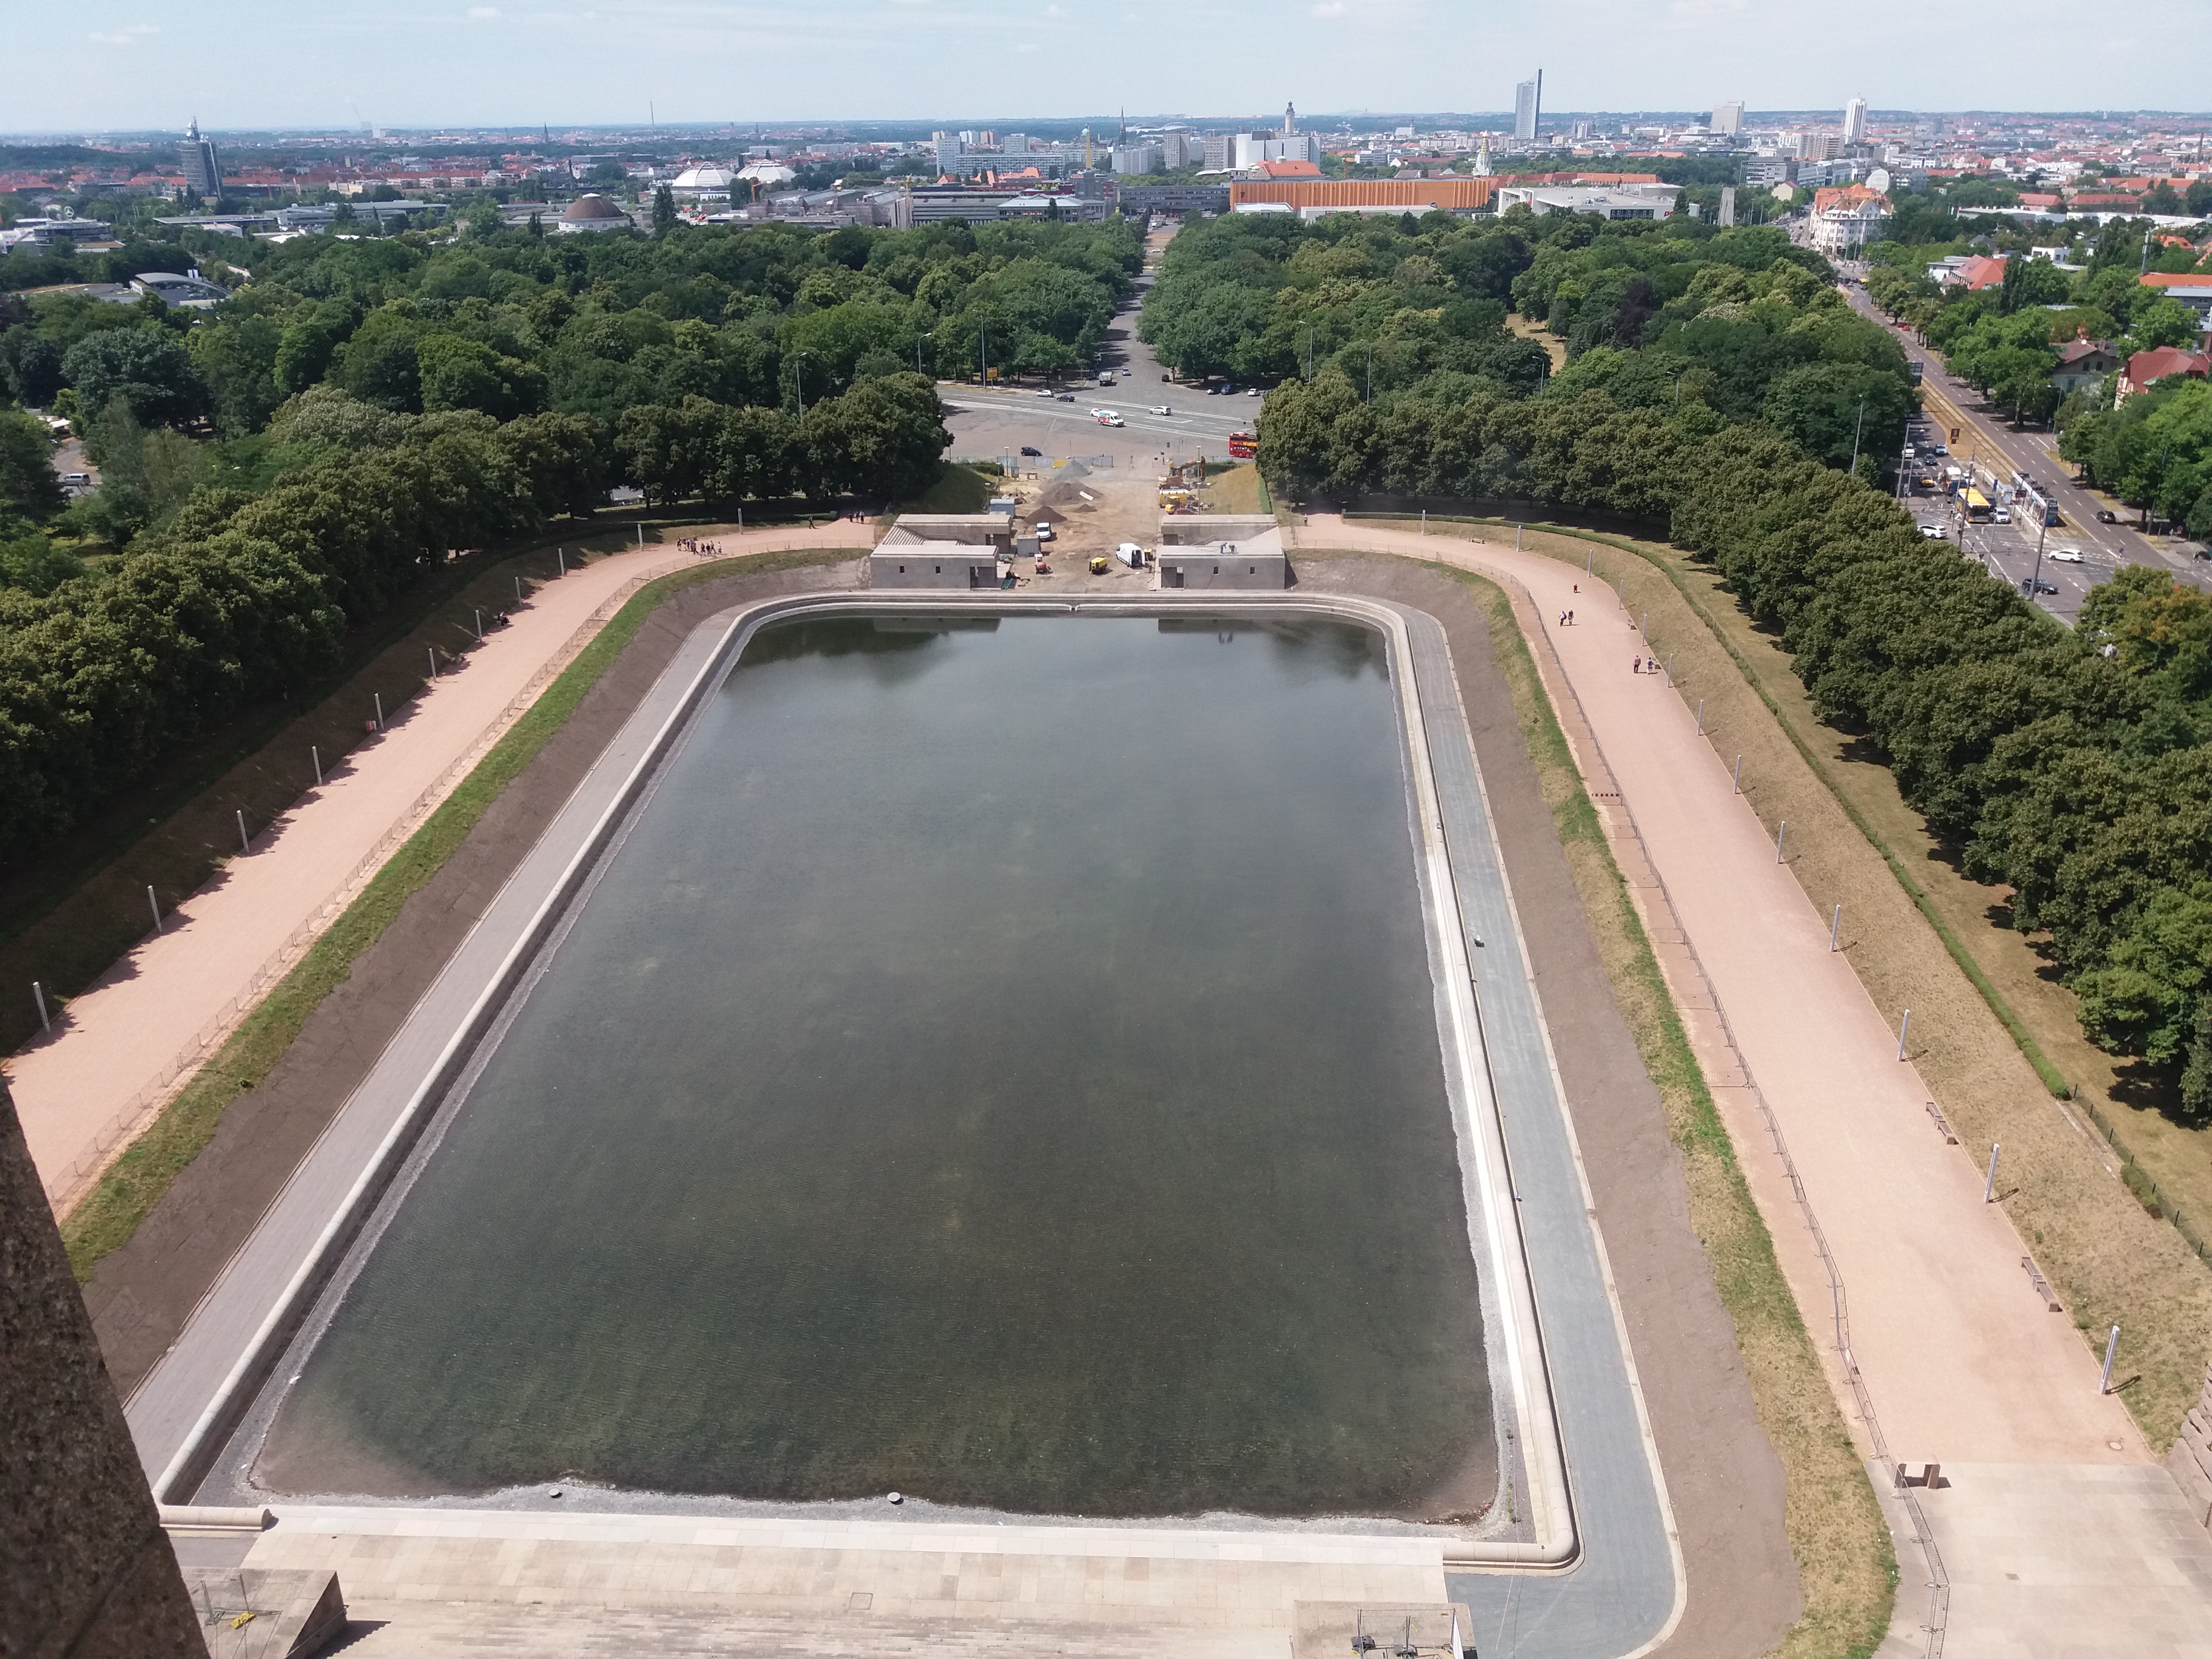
x,y
1859,427
798,384
918,339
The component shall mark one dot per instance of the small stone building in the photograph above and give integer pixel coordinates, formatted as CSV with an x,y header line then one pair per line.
x,y
941,549
1221,550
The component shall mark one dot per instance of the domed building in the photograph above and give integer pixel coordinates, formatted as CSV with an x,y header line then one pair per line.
x,y
591,212
702,184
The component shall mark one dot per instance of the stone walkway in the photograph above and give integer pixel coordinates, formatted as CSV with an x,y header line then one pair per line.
x,y
126,1046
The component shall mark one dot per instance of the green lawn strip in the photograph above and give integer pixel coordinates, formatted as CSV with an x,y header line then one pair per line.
x,y
1846,1559
134,1184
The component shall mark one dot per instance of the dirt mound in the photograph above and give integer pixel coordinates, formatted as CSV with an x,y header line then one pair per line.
x,y
1068,497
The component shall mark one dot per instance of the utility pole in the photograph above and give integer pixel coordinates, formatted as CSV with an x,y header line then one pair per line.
x,y
1856,431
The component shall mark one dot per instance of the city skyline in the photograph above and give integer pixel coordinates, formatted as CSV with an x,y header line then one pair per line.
x,y
255,65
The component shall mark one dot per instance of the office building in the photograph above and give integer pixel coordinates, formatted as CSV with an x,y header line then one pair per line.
x,y
1527,109
1727,119
1855,128
1249,150
1137,158
202,171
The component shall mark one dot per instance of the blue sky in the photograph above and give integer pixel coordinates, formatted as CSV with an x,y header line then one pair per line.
x,y
131,63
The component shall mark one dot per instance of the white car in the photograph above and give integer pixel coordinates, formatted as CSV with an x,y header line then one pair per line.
x,y
2066,555
1162,409
1046,392
1107,417
1043,530
1934,532
1253,393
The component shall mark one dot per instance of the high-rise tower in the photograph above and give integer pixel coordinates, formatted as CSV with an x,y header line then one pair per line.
x,y
1290,119
1855,121
202,172
1527,109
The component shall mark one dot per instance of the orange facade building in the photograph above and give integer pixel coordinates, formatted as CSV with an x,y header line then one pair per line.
x,y
1415,195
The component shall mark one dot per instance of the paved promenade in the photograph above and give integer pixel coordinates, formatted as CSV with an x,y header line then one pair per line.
x,y
126,1046
1961,1361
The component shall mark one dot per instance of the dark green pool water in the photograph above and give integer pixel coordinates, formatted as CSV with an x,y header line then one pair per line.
x,y
1000,1065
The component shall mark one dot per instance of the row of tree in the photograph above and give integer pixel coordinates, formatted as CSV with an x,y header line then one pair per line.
x,y
884,438
1719,404
239,597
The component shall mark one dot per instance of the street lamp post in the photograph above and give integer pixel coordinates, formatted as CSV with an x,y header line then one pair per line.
x,y
798,384
918,339
1859,427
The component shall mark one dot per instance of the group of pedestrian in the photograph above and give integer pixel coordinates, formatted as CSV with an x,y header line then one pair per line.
x,y
1646,665
704,550
1566,619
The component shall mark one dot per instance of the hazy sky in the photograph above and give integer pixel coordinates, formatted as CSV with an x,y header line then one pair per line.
x,y
131,63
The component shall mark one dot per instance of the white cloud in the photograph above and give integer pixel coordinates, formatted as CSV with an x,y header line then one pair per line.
x,y
1330,9
483,14
1029,45
124,37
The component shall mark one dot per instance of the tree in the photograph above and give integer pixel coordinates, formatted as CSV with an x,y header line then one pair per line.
x,y
1818,407
664,210
28,485
2167,323
31,562
149,368
30,367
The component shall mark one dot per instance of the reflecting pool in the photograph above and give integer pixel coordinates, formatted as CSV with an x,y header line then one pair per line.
x,y
1000,1063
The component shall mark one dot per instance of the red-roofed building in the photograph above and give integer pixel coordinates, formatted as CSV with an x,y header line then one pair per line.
x,y
1982,270
2083,363
2146,369
1272,170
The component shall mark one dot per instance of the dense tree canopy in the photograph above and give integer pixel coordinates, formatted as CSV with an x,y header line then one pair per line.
x,y
1715,389
284,467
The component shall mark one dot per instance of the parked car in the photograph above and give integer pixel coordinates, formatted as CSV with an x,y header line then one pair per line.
x,y
77,480
2066,555
1253,393
1030,449
1934,532
2104,515
1043,530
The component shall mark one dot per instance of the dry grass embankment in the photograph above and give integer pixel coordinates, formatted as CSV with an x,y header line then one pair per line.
x,y
1844,1559
1855,843
112,1211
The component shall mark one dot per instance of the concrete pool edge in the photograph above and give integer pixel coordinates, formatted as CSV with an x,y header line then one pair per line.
x,y
480,978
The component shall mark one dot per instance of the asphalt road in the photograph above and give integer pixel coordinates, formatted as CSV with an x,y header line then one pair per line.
x,y
1989,440
1000,421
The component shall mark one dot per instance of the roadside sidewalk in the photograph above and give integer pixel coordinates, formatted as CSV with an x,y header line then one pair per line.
x,y
122,1050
